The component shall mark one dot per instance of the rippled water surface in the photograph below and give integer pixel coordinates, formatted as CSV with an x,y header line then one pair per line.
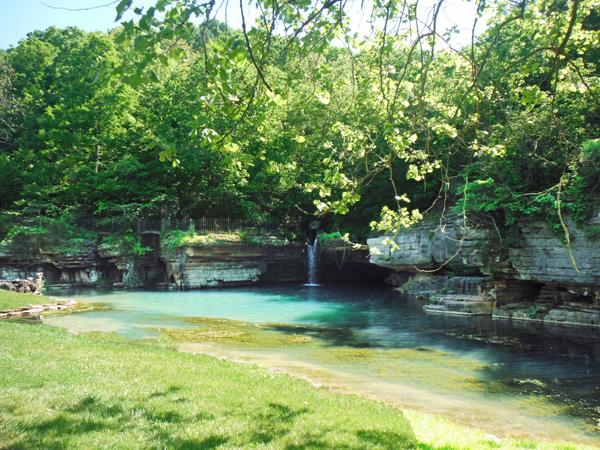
x,y
510,378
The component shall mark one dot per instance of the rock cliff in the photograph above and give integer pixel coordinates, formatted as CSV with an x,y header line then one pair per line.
x,y
183,267
231,264
537,263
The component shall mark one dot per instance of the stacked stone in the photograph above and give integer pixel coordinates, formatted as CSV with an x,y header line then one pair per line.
x,y
35,310
31,285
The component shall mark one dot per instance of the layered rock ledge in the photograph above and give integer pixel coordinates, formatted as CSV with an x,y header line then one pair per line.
x,y
536,271
189,266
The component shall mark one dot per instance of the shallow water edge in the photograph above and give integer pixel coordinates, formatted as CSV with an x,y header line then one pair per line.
x,y
510,382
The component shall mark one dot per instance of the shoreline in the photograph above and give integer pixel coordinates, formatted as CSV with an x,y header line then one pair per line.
x,y
405,397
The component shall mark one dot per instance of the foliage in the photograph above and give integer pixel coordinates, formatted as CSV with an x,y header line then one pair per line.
x,y
461,270
330,241
128,243
533,312
176,238
275,121
516,98
58,235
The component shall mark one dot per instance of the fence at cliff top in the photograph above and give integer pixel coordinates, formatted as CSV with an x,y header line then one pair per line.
x,y
204,225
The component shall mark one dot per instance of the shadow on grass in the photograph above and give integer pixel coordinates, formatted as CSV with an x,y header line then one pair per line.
x,y
422,446
382,438
91,415
160,427
370,439
170,442
170,390
275,423
91,405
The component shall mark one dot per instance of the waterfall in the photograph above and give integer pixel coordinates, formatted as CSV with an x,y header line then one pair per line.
x,y
313,262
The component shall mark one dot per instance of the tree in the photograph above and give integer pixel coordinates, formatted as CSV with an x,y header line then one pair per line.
x,y
417,99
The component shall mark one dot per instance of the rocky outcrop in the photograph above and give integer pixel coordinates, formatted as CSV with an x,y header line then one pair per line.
x,y
233,264
209,263
31,285
575,314
537,270
538,264
428,246
460,306
429,284
184,267
543,256
464,296
36,310
77,267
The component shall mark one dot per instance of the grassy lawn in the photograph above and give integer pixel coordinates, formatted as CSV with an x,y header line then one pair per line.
x,y
10,300
60,391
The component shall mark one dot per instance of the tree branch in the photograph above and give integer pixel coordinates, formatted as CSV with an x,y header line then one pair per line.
x,y
260,74
81,9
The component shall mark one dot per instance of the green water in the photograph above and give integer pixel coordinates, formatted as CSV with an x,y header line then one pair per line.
x,y
520,380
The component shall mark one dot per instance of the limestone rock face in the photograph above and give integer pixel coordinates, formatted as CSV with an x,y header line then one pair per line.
x,y
537,268
78,267
461,307
231,264
573,317
544,256
539,255
427,246
183,267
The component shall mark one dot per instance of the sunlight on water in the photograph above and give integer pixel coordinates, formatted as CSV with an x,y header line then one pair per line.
x,y
511,379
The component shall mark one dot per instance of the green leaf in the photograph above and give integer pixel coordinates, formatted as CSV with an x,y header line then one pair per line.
x,y
122,7
141,42
238,55
134,80
144,23
122,37
177,54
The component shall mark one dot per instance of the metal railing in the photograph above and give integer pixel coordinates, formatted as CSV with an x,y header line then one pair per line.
x,y
142,225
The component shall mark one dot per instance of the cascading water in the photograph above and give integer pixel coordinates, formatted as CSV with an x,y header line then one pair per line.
x,y
313,262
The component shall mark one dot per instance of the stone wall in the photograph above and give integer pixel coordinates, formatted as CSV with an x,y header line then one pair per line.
x,y
544,256
185,267
232,264
427,246
538,266
81,267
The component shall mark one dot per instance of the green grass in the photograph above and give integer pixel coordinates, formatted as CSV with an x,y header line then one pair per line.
x,y
11,300
58,390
